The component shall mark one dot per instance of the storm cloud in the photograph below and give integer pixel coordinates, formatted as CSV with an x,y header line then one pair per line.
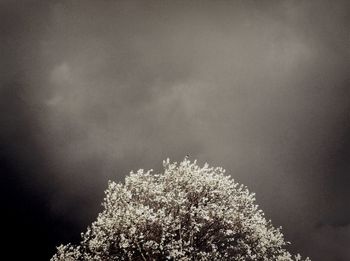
x,y
93,89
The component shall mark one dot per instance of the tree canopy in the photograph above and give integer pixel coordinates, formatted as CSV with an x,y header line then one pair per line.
x,y
187,212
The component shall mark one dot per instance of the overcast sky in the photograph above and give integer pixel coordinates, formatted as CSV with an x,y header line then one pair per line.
x,y
90,90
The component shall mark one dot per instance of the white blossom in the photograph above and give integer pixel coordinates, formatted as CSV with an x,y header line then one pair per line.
x,y
185,213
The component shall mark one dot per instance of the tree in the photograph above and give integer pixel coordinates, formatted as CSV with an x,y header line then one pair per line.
x,y
185,213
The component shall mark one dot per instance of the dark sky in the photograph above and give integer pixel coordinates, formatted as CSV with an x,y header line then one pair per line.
x,y
90,90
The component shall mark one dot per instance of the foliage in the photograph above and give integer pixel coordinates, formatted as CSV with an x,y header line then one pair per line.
x,y
185,213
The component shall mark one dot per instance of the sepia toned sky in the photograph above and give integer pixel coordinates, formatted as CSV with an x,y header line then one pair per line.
x,y
90,90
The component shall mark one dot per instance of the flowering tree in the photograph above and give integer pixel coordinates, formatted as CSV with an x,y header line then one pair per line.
x,y
185,213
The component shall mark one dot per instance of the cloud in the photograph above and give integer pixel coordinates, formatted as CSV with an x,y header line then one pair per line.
x,y
105,87
331,243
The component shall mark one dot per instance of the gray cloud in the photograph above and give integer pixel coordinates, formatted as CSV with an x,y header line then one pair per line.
x,y
260,89
333,241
